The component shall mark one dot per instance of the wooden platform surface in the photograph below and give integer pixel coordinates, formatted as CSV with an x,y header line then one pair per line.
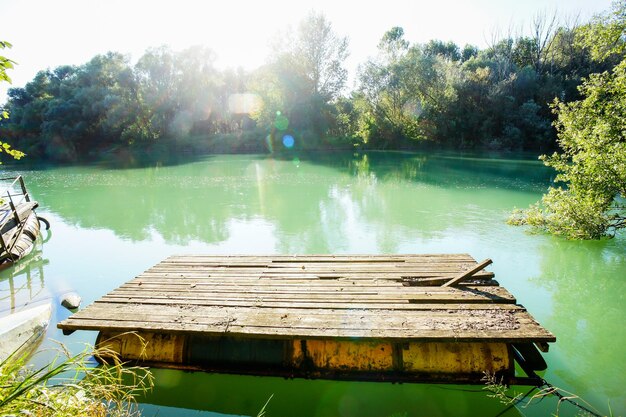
x,y
319,296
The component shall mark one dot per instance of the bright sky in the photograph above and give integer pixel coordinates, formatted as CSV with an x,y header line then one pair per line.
x,y
46,34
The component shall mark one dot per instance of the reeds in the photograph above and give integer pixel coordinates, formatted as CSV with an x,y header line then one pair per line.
x,y
71,385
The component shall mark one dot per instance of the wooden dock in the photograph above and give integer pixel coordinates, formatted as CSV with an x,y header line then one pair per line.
x,y
329,316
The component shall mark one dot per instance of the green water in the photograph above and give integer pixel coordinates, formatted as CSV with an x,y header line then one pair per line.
x,y
110,223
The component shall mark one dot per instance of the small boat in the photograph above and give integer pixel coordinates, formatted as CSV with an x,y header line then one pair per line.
x,y
19,224
20,332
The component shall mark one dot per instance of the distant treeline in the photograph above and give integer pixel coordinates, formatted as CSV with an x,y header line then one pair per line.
x,y
437,94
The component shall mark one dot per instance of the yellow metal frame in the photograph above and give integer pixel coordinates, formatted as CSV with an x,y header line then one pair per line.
x,y
327,358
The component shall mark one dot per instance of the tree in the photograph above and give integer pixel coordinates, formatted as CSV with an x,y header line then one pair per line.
x,y
592,135
448,50
406,88
176,91
386,96
304,77
468,52
543,28
5,64
322,54
393,44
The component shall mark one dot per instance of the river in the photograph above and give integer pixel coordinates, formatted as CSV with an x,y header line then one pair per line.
x,y
110,222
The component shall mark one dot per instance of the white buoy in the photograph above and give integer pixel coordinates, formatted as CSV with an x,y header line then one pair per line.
x,y
71,300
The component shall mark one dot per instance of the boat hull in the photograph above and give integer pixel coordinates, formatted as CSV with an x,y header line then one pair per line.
x,y
23,243
20,332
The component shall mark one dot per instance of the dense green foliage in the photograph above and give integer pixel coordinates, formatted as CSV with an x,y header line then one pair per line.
x,y
497,97
592,136
434,94
5,64
72,112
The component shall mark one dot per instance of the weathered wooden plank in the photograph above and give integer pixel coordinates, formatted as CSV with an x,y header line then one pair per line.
x,y
297,306
468,273
312,296
374,267
354,263
519,321
426,282
443,324
264,283
318,257
231,328
245,285
310,305
352,260
315,302
414,294
198,287
289,275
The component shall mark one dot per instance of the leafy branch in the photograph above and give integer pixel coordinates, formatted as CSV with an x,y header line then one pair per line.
x,y
5,64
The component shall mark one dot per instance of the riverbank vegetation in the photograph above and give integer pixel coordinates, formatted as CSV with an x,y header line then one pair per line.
x,y
70,385
436,94
592,138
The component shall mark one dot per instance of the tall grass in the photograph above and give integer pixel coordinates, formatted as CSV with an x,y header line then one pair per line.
x,y
497,389
70,385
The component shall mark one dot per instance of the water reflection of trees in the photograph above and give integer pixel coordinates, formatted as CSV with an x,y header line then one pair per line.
x,y
514,171
586,280
245,395
23,282
316,205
